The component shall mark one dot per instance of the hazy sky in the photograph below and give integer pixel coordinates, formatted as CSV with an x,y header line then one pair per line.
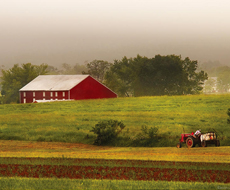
x,y
75,31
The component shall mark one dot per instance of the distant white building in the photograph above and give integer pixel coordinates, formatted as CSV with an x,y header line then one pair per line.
x,y
210,85
214,87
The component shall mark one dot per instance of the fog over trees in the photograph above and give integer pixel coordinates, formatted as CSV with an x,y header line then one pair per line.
x,y
138,76
219,77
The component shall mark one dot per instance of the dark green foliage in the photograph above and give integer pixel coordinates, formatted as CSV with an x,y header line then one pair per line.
x,y
97,69
148,137
161,75
228,112
107,130
17,77
10,137
150,132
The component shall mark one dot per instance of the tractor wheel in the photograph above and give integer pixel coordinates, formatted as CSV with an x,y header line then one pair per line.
x,y
178,145
203,144
217,143
190,142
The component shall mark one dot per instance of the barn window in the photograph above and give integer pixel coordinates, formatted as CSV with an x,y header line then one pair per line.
x,y
51,94
33,94
56,94
63,94
24,94
44,94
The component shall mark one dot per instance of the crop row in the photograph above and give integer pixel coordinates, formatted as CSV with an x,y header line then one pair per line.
x,y
116,163
118,173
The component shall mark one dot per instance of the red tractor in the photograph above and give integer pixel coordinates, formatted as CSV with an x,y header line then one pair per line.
x,y
202,140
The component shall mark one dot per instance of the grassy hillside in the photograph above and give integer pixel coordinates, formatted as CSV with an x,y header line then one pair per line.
x,y
72,121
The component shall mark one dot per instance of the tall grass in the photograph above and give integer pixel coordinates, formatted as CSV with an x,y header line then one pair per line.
x,y
72,121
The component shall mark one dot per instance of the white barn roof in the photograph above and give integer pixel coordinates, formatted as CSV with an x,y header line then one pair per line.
x,y
53,82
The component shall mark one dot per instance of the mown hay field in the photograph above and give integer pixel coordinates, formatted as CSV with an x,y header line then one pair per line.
x,y
72,121
30,149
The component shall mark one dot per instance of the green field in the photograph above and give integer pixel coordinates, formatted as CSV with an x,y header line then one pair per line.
x,y
72,121
30,183
38,130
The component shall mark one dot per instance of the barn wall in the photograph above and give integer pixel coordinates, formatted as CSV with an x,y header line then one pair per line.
x,y
30,96
91,89
26,97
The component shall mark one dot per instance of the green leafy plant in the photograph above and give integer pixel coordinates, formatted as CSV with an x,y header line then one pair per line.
x,y
150,132
147,137
107,130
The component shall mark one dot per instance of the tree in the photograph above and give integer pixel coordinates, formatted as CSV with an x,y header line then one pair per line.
x,y
195,79
66,69
223,81
119,77
17,77
97,69
78,69
161,75
52,70
211,67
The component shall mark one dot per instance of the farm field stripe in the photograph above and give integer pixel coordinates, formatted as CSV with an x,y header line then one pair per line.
x,y
65,183
75,150
117,162
114,173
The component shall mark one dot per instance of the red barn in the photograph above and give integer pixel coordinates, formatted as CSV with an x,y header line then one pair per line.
x,y
64,87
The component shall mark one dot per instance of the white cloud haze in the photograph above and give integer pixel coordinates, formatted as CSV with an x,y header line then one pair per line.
x,y
75,31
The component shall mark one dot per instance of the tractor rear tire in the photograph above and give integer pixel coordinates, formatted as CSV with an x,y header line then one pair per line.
x,y
190,142
203,144
178,145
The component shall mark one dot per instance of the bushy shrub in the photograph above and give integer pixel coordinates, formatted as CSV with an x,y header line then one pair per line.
x,y
150,132
107,130
148,137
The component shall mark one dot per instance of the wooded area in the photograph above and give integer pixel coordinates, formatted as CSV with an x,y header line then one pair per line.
x,y
138,76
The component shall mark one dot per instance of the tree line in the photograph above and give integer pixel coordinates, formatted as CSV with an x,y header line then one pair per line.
x,y
161,75
138,76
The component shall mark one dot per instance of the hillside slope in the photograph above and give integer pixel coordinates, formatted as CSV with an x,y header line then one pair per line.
x,y
72,121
